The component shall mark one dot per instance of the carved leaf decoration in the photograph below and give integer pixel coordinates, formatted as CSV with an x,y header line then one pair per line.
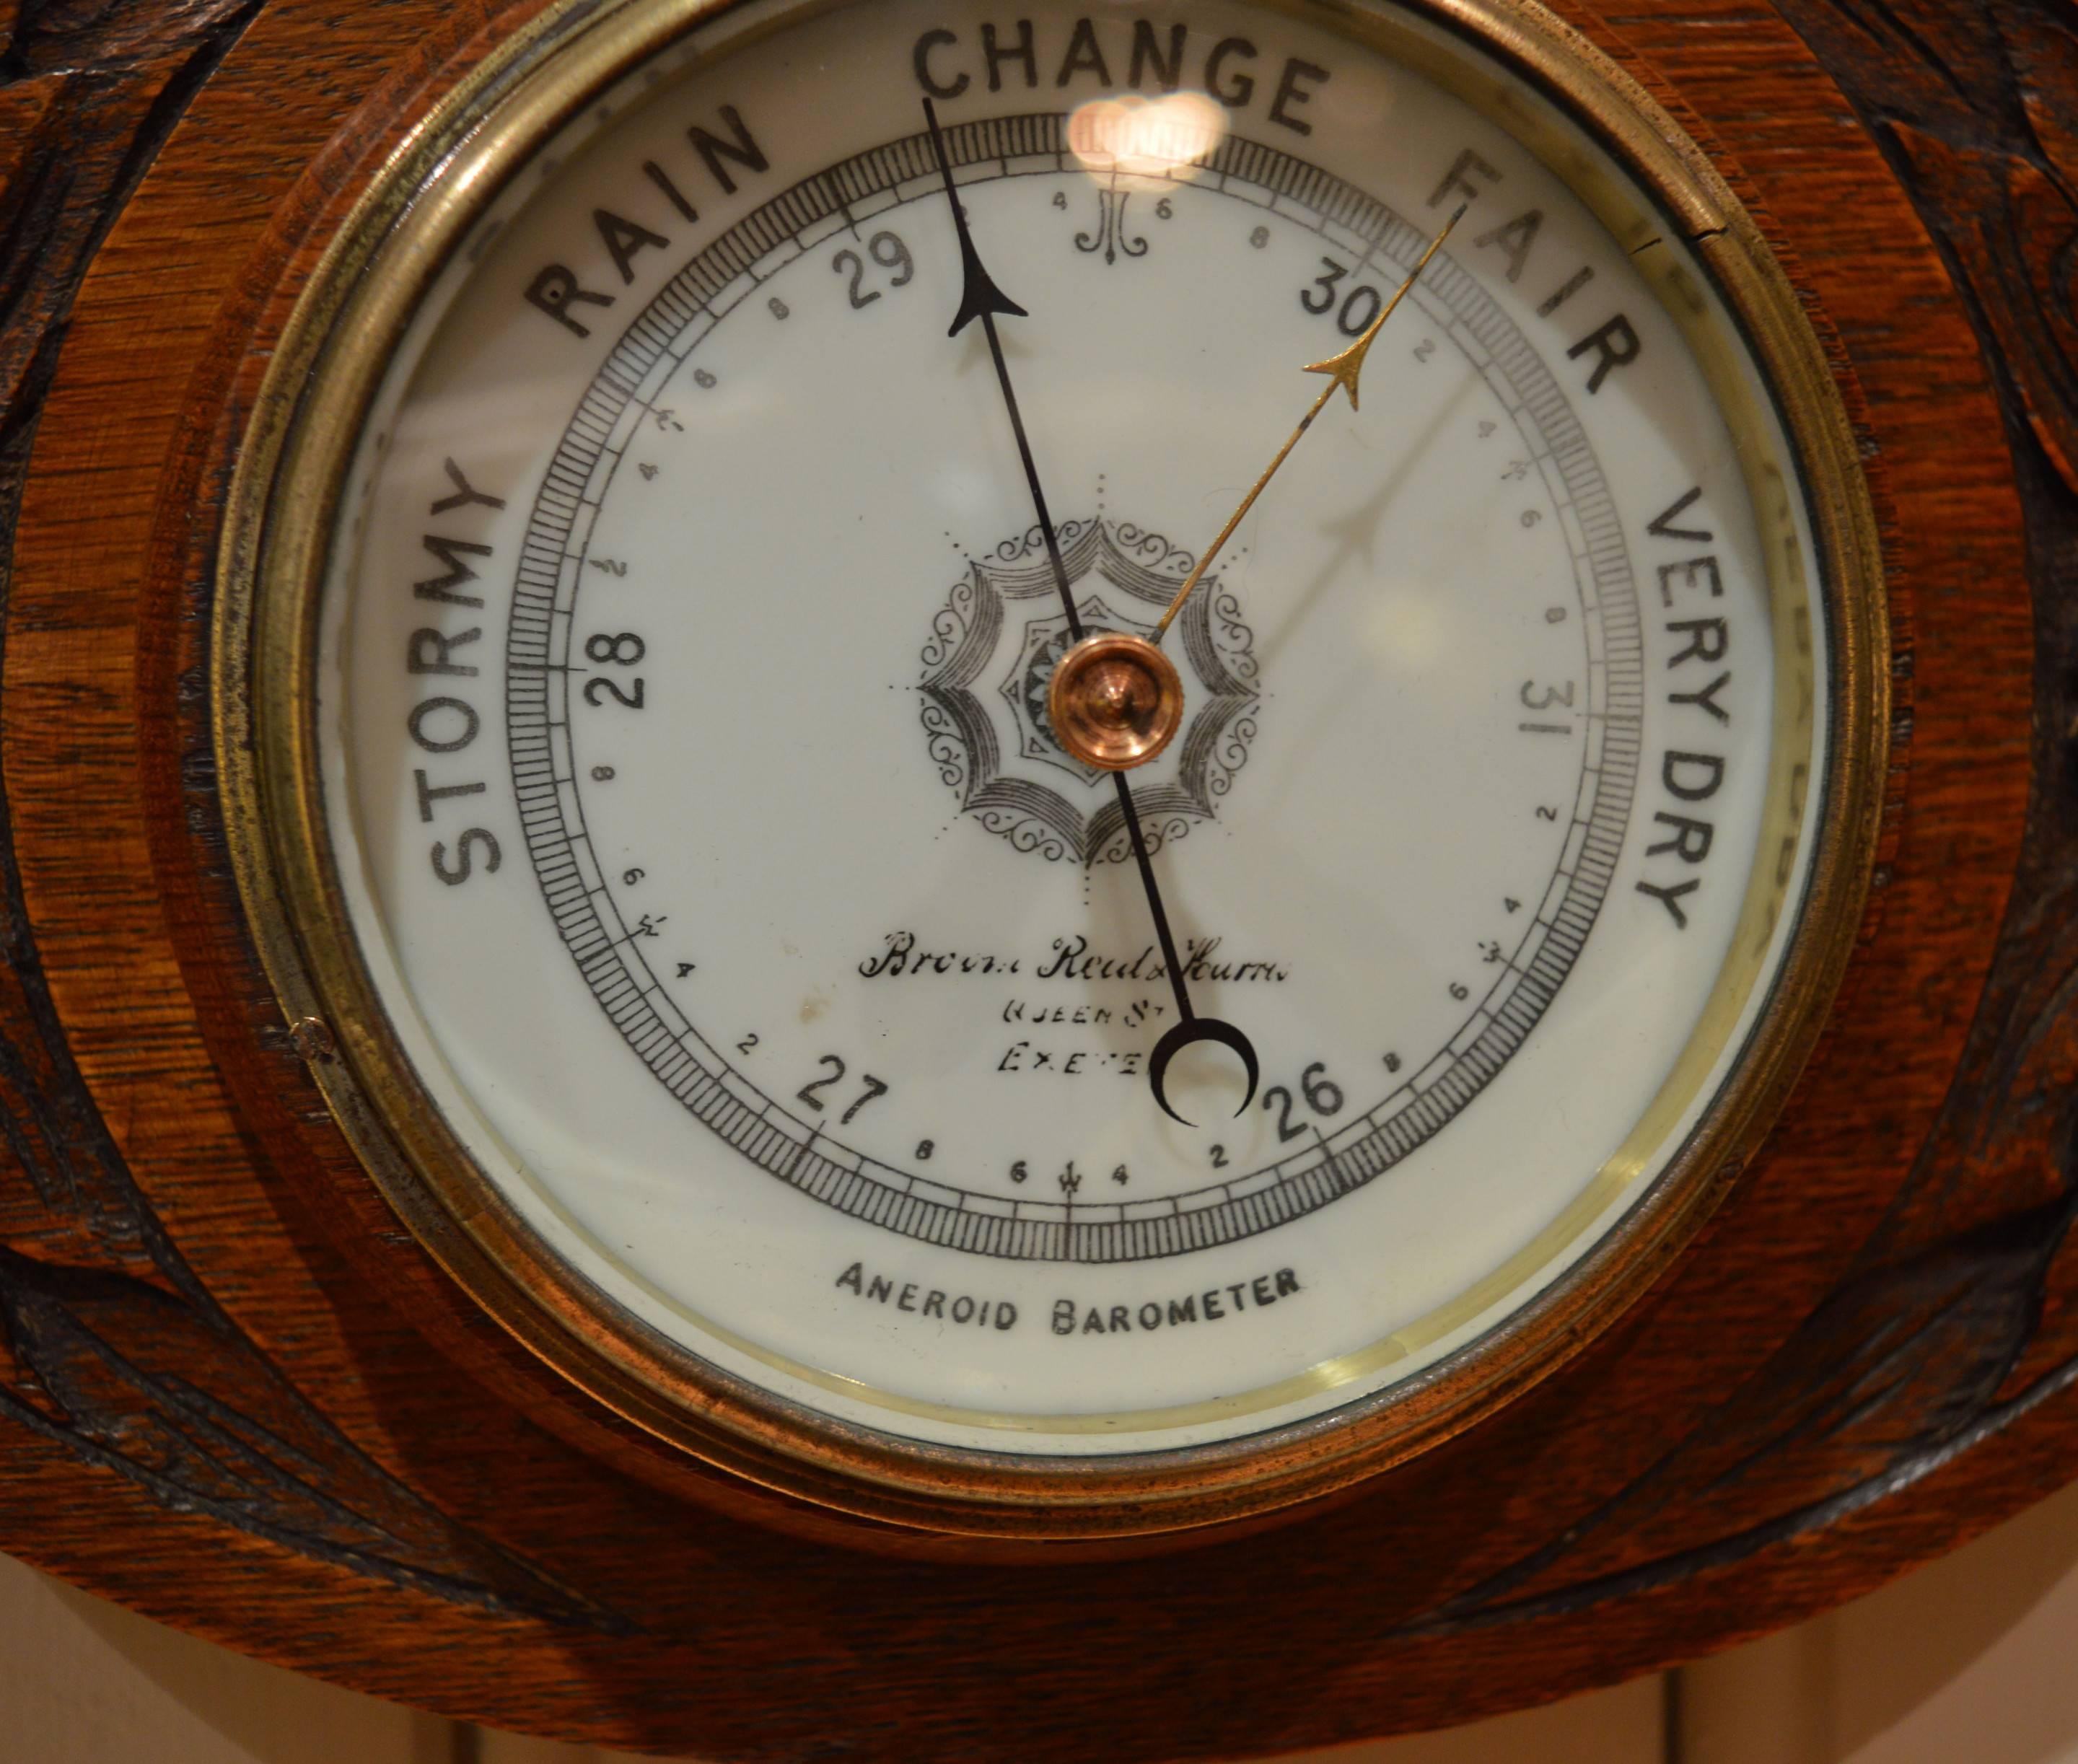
x,y
106,39
2047,61
118,1353
2027,225
1963,99
1878,1384
93,86
193,1413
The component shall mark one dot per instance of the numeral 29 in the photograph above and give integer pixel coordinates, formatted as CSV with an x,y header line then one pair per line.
x,y
886,249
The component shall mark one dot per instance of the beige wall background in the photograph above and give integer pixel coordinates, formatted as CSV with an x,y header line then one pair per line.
x,y
1973,1660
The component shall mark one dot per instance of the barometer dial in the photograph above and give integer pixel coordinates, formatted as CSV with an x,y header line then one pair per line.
x,y
794,876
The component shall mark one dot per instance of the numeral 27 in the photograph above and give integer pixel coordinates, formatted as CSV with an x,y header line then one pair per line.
x,y
806,1093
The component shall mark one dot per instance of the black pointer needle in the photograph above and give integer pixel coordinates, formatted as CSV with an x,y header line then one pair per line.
x,y
981,299
1189,1026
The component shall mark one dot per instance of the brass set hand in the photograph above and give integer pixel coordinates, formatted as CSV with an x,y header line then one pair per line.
x,y
1342,371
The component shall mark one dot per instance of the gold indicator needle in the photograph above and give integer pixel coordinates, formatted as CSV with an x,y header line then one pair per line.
x,y
1342,371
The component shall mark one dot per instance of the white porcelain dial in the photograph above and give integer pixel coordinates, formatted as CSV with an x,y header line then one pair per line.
x,y
681,704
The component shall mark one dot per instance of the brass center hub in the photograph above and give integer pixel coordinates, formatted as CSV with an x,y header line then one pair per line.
x,y
1116,701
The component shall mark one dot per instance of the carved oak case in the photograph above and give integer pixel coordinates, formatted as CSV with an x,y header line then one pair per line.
x,y
237,1395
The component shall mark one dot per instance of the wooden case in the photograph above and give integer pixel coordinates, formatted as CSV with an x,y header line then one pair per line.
x,y
239,1398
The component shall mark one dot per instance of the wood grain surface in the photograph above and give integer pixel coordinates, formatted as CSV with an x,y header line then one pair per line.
x,y
234,1395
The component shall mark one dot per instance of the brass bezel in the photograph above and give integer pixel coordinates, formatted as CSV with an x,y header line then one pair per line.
x,y
279,524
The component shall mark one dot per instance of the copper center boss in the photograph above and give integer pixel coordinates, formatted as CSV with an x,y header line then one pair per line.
x,y
1116,701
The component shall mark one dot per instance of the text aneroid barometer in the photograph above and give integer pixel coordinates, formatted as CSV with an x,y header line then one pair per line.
x,y
1052,770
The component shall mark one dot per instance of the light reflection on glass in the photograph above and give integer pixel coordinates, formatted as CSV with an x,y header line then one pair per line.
x,y
1168,138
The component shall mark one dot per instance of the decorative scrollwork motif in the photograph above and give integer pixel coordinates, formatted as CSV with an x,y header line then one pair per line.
x,y
1111,236
993,646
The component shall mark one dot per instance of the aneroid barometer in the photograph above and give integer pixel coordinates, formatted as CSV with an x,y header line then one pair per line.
x,y
1052,770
